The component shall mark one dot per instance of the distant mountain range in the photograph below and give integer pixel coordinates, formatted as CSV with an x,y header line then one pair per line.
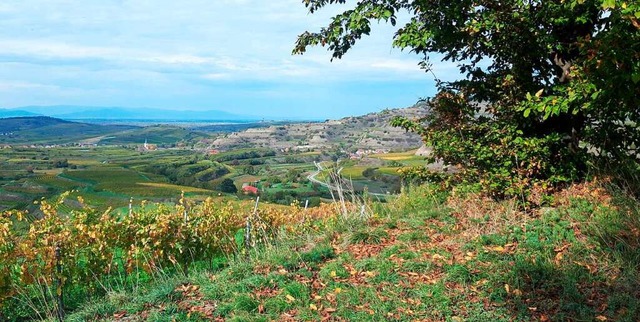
x,y
68,112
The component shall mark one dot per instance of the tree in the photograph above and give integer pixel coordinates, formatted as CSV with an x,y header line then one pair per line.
x,y
63,163
547,85
228,186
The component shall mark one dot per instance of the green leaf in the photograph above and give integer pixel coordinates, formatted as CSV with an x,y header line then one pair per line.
x,y
635,78
606,4
527,112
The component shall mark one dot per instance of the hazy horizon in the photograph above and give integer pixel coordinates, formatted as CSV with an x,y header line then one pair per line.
x,y
85,113
232,55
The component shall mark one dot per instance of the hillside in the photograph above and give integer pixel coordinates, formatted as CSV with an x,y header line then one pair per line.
x,y
371,131
48,130
26,123
427,256
15,113
155,134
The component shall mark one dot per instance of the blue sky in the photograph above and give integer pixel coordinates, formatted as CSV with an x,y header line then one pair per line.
x,y
229,55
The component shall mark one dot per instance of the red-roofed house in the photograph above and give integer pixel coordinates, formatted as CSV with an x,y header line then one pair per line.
x,y
250,189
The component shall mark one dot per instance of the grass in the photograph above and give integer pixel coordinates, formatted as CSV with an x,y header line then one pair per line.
x,y
174,187
427,255
396,155
127,182
353,172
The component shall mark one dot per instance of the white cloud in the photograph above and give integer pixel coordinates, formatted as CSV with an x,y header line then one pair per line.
x,y
19,85
216,76
120,45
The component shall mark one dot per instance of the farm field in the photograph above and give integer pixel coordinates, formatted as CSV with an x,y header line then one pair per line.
x,y
108,176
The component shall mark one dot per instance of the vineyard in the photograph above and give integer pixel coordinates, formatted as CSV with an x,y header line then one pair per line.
x,y
64,260
111,175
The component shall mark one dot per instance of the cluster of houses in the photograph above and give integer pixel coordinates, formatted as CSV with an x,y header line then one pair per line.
x,y
360,153
35,146
147,147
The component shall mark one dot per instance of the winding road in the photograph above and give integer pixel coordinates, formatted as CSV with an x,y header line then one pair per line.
x,y
312,178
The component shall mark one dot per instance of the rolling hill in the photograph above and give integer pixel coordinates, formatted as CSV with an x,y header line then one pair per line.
x,y
48,130
15,113
370,131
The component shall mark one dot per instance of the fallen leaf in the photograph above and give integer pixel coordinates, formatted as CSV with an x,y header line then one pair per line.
x,y
561,248
119,315
437,257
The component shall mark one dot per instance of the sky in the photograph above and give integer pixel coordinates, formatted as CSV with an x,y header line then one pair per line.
x,y
228,55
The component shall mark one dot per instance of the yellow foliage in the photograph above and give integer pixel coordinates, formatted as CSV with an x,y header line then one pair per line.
x,y
93,245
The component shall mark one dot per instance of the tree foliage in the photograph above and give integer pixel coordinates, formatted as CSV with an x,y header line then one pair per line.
x,y
545,85
228,186
195,173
